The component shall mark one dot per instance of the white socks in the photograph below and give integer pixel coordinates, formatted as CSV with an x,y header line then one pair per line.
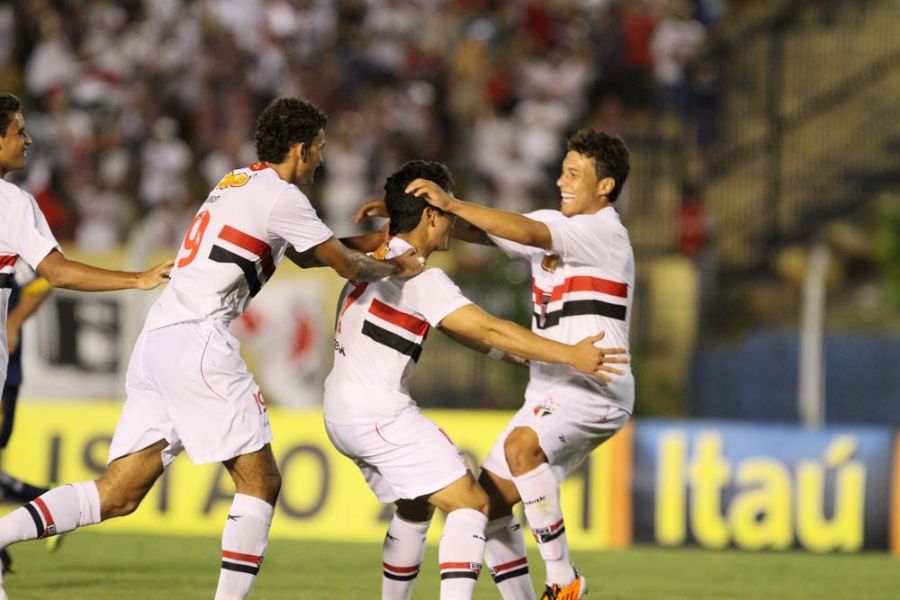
x,y
539,491
460,552
60,510
505,557
404,547
244,543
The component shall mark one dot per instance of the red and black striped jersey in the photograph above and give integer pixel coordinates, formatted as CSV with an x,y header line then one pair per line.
x,y
378,339
233,245
23,232
583,285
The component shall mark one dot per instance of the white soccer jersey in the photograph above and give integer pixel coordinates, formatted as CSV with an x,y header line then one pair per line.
x,y
378,339
233,245
583,285
23,232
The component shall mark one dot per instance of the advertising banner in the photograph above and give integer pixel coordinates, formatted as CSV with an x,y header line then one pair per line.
x,y
324,495
723,484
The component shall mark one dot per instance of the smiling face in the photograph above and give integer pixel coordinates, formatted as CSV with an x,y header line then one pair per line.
x,y
14,146
580,190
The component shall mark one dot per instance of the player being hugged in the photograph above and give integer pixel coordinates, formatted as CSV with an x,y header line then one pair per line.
x,y
582,267
370,417
187,386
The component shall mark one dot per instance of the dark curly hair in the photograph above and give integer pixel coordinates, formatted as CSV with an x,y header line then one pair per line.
x,y
405,210
609,153
285,122
9,106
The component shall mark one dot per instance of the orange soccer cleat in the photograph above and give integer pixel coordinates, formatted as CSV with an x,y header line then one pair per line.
x,y
573,591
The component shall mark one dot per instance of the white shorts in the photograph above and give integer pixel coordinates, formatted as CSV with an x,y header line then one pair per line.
x,y
402,457
569,425
188,384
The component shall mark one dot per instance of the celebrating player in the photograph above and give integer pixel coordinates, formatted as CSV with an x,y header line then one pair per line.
x,y
187,386
370,417
582,266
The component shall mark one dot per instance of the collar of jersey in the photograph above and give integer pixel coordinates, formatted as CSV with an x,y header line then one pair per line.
x,y
396,246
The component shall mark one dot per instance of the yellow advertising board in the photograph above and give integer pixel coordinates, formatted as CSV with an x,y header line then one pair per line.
x,y
324,496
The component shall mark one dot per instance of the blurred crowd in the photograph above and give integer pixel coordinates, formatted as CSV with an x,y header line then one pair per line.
x,y
138,107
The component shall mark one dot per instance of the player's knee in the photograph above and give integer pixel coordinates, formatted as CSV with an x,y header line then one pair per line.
x,y
522,450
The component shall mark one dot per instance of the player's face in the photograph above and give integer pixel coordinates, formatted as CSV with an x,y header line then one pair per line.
x,y
14,145
315,155
442,224
577,185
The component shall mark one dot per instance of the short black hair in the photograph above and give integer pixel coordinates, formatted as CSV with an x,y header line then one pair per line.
x,y
609,153
405,210
283,123
9,106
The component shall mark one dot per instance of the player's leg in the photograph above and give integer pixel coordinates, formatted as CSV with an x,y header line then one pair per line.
x,y
246,534
117,492
462,543
539,490
404,548
505,547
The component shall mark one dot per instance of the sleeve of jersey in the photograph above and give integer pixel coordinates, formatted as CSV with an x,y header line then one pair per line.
x,y
29,232
433,295
580,239
515,249
294,220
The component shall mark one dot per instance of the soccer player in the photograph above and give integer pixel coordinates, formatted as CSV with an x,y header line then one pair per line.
x,y
582,266
187,386
24,232
370,417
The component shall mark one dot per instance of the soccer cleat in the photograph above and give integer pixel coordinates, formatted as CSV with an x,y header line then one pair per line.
x,y
573,591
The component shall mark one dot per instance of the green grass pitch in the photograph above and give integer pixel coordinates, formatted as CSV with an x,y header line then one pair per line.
x,y
100,566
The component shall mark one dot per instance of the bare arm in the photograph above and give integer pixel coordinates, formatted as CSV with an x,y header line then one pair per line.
x,y
73,275
462,230
356,266
30,299
365,242
507,225
475,325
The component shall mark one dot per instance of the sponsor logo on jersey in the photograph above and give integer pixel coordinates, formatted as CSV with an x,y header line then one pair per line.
x,y
233,180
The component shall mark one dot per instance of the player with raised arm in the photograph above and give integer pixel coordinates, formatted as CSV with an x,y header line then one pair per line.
x,y
24,232
582,266
187,386
371,418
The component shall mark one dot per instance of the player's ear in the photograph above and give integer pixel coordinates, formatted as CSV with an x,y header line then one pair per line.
x,y
605,186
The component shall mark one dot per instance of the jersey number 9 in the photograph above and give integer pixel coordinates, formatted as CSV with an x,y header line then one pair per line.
x,y
194,237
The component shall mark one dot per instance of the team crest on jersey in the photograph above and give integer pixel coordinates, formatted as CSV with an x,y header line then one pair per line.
x,y
542,410
233,180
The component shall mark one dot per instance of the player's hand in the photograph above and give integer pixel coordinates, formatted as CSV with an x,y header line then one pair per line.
x,y
372,208
410,264
434,194
158,275
595,361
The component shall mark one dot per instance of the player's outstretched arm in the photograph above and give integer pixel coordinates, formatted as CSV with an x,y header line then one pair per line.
x,y
365,242
73,275
507,225
474,324
356,266
462,230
